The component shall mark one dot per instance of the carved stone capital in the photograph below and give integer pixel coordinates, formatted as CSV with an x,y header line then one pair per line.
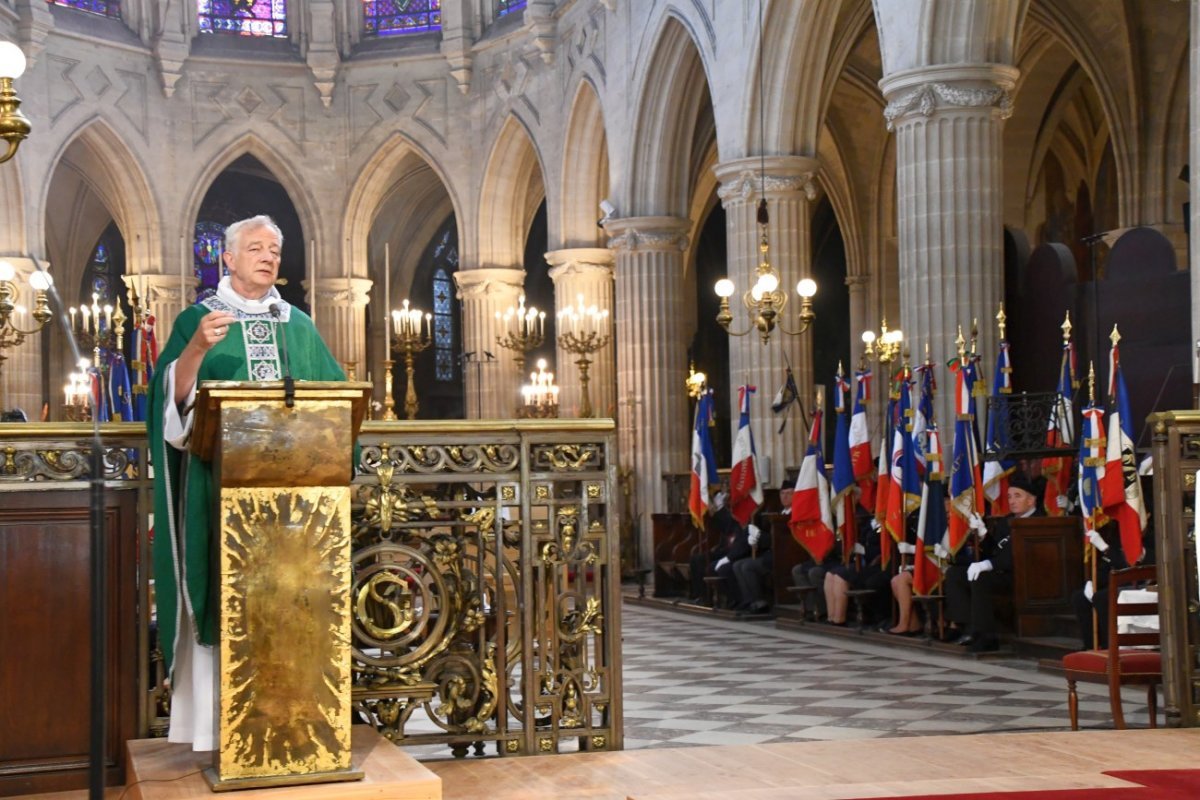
x,y
668,234
857,282
341,292
580,261
926,91
742,179
484,282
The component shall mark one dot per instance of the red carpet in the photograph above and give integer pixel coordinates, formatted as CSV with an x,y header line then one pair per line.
x,y
1162,784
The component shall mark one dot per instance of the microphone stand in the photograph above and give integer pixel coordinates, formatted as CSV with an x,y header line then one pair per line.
x,y
289,385
99,642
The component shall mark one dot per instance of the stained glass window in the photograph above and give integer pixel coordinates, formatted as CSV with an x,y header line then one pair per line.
x,y
396,17
504,7
207,247
445,256
244,17
105,8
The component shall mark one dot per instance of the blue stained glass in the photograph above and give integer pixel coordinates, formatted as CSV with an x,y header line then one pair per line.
x,y
504,7
104,8
443,321
208,244
100,258
244,17
398,17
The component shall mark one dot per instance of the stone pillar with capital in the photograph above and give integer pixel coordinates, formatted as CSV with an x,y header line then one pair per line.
x,y
586,271
339,311
948,122
858,286
493,385
651,358
788,183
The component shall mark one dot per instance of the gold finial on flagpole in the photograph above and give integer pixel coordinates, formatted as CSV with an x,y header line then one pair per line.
x,y
1000,320
974,335
1092,382
1115,336
1066,328
961,344
927,358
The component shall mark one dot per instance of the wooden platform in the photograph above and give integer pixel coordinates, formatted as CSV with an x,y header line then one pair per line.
x,y
391,773
829,770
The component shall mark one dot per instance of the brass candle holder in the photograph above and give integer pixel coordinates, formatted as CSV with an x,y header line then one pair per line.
x,y
12,334
409,338
522,330
583,331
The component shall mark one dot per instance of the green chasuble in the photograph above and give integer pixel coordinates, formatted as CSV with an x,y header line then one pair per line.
x,y
184,496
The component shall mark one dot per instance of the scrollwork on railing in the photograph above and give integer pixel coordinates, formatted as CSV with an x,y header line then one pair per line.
x,y
1021,421
448,647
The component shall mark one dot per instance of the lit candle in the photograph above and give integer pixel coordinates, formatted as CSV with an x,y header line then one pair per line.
x,y
72,310
84,315
108,317
429,326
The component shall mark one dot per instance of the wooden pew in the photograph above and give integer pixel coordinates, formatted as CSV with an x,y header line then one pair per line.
x,y
671,534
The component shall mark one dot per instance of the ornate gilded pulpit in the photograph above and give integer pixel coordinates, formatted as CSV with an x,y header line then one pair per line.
x,y
282,551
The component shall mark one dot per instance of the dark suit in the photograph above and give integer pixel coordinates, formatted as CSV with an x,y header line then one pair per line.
x,y
971,604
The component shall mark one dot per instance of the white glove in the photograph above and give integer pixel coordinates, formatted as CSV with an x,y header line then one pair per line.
x,y
906,549
755,534
978,568
719,501
720,564
1088,591
977,524
1097,542
1061,500
940,551
859,549
875,525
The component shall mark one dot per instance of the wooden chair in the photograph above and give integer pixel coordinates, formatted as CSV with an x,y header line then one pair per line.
x,y
1120,664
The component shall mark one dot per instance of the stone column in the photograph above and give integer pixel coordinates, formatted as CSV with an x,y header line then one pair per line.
x,y
340,314
586,271
651,359
948,121
860,319
789,186
493,385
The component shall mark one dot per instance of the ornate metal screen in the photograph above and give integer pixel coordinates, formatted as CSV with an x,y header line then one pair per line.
x,y
486,593
486,575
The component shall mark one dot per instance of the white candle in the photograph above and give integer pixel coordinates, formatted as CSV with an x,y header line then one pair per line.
x,y
387,283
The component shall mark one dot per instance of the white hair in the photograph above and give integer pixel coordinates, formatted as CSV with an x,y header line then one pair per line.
x,y
234,232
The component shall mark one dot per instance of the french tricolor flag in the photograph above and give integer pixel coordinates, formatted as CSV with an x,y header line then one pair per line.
x,y
745,490
860,441
812,513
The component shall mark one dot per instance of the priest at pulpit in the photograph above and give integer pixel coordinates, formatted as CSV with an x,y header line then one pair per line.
x,y
244,332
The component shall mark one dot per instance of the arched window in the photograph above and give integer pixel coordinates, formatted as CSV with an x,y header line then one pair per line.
x,y
105,8
504,7
398,17
445,256
207,247
102,275
244,17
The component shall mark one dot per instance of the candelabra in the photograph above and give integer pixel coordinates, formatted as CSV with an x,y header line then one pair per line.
x,y
11,334
14,127
764,300
886,346
77,394
540,394
523,330
408,338
98,328
581,332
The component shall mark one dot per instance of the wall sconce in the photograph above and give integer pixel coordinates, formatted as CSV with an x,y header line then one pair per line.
x,y
14,127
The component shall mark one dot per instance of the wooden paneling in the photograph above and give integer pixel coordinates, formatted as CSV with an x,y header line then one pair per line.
x,y
1047,568
45,608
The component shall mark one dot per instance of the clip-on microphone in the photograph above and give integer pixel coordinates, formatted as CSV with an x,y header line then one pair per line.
x,y
289,385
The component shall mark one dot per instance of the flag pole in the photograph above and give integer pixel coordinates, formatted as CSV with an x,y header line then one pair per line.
x,y
1092,547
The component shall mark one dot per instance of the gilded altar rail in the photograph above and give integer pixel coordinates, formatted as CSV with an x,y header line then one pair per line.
x,y
486,575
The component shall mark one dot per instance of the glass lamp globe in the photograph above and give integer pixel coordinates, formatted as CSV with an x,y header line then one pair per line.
x,y
724,288
12,61
806,287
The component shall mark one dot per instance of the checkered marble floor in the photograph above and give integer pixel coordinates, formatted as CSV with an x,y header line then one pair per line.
x,y
708,681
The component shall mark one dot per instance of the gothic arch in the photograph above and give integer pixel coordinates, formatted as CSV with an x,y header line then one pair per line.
x,y
673,94
585,172
297,190
513,188
108,168
398,159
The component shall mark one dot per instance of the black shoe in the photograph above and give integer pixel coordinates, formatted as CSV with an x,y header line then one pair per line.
x,y
759,607
966,640
985,644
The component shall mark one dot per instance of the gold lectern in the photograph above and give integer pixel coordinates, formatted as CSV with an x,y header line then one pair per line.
x,y
281,538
